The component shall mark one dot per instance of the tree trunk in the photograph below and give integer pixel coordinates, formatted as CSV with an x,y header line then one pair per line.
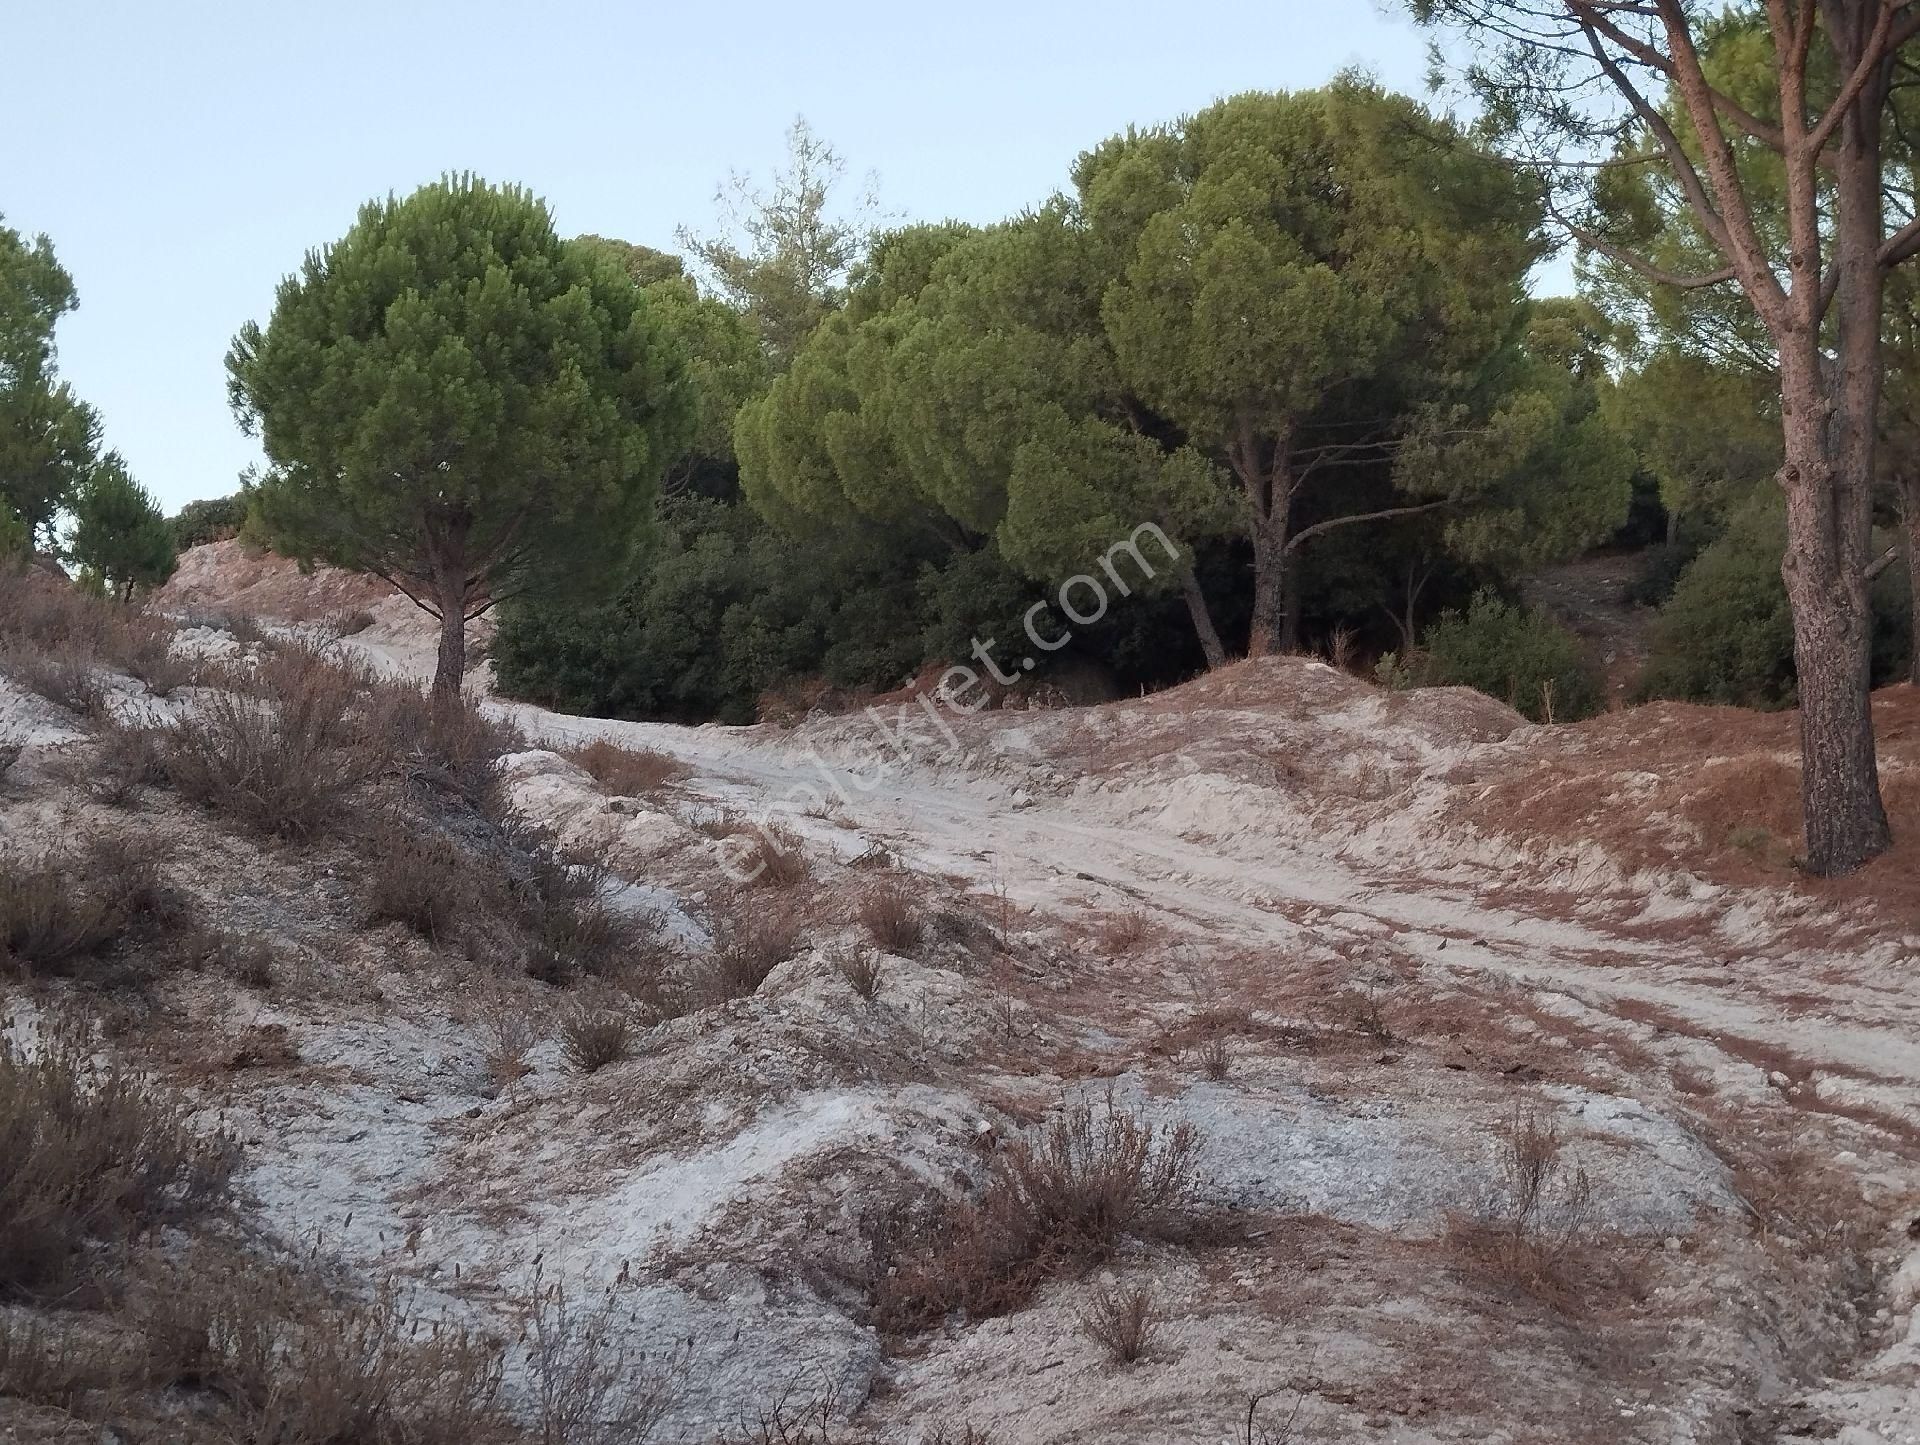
x,y
451,668
1290,607
449,573
1203,627
1270,563
1910,513
1846,823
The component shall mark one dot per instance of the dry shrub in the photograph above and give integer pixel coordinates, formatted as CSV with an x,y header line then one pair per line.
x,y
1123,932
44,613
1536,1233
54,640
58,908
507,1036
349,622
860,967
93,1154
630,772
419,877
586,1388
1369,1015
747,946
1122,1322
892,917
282,763
1215,1057
127,757
595,1037
246,958
1071,1195
793,1418
57,1365
451,744
279,1362
142,646
69,680
774,859
571,927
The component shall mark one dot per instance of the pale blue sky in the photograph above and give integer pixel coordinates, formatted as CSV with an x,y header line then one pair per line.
x,y
184,156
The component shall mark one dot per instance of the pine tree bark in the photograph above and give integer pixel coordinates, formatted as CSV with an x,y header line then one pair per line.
x,y
1202,615
450,585
451,667
1270,499
1910,508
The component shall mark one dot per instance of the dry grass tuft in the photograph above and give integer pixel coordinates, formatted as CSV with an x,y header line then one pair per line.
x,y
274,1359
892,917
1122,1322
283,763
1089,1180
57,908
1121,933
585,1387
775,858
629,772
93,1154
507,1036
1536,1234
860,967
1214,1054
419,877
596,1036
747,946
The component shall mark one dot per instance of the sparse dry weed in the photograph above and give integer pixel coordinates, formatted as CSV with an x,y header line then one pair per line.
x,y
628,771
892,917
1122,1322
1070,1193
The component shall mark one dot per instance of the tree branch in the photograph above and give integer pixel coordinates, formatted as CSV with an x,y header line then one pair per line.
x,y
1327,526
1594,242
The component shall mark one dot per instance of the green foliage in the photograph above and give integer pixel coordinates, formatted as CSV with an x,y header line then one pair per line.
x,y
785,252
454,398
120,536
1709,434
13,531
1207,332
721,608
1726,636
1517,654
48,437
214,520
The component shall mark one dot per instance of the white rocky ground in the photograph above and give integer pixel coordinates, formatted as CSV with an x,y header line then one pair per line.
x,y
1736,1067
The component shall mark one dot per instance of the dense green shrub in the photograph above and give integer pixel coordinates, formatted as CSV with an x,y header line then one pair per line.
x,y
1726,635
1517,654
724,608
214,520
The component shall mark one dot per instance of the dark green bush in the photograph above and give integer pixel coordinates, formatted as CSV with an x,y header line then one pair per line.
x,y
210,521
1726,635
1517,654
725,608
